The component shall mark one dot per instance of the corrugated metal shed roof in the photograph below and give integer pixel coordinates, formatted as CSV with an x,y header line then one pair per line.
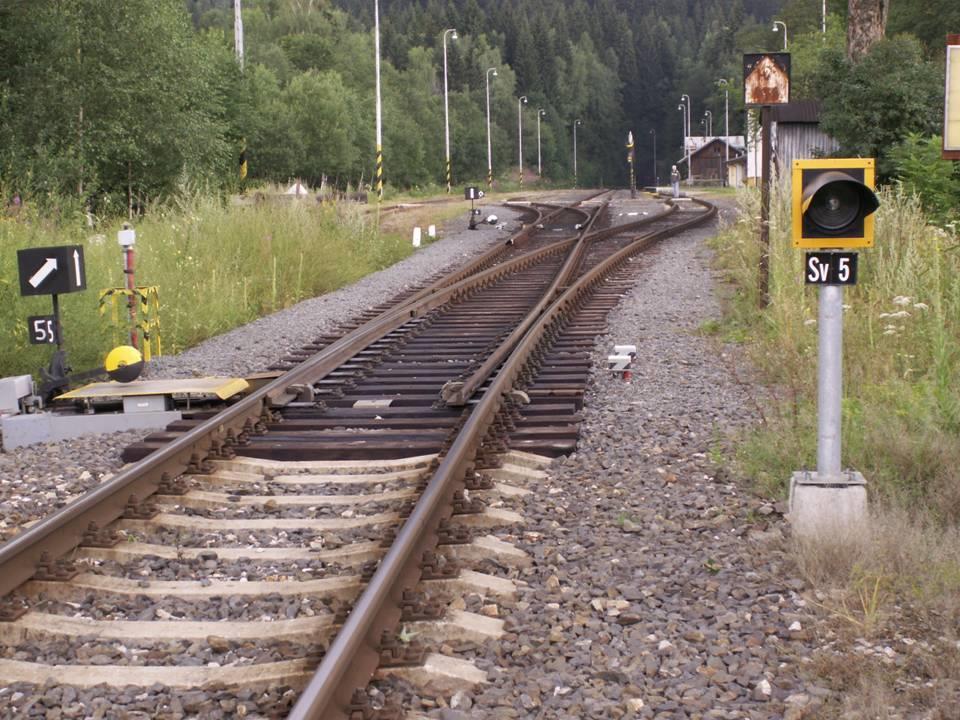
x,y
802,111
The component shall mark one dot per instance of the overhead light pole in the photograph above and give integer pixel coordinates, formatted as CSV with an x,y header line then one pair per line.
x,y
446,99
576,124
722,82
656,180
238,32
489,145
376,42
775,29
689,131
521,101
540,113
709,116
823,18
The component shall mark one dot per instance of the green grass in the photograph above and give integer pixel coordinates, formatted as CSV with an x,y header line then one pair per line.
x,y
217,266
901,410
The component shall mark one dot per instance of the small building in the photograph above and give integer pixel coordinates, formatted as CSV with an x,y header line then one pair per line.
x,y
795,135
709,156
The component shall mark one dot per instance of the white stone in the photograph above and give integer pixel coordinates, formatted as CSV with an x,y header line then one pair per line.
x,y
764,687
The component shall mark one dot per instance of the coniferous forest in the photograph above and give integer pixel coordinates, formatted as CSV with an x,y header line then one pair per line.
x,y
101,101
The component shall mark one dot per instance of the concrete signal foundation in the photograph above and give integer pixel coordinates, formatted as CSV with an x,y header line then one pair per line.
x,y
822,507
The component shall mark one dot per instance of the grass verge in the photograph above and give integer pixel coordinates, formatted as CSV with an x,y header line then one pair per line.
x,y
217,266
889,597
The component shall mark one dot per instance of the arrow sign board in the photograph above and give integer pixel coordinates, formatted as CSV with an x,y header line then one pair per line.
x,y
51,270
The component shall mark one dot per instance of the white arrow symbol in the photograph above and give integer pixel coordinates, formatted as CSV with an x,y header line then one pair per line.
x,y
76,265
49,267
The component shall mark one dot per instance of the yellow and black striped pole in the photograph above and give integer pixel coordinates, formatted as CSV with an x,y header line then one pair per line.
x,y
449,178
376,42
242,170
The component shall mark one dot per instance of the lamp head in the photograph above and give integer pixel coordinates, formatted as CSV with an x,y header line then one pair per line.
x,y
775,28
453,35
494,72
523,99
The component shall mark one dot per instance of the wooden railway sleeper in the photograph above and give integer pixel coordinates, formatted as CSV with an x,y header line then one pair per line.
x,y
59,570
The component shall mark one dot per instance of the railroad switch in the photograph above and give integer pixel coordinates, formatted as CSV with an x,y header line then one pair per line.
x,y
394,653
52,570
97,537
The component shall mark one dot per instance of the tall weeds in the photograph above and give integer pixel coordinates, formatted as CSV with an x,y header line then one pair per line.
x,y
217,266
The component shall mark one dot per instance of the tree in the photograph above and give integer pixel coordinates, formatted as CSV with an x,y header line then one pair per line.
x,y
866,25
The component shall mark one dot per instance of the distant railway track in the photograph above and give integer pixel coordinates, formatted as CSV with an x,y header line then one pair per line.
x,y
305,534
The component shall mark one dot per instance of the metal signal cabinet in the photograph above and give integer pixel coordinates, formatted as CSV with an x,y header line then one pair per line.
x,y
854,227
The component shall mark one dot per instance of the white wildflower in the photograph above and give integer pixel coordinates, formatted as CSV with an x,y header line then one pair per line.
x,y
890,331
900,314
809,322
846,307
921,306
902,300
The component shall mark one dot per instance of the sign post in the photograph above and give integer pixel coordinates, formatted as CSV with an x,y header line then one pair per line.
x,y
472,193
766,82
51,271
631,153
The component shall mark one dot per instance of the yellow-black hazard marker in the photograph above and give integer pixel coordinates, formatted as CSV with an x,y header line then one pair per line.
x,y
124,363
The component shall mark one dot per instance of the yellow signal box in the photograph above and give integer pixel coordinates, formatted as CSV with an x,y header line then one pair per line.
x,y
833,203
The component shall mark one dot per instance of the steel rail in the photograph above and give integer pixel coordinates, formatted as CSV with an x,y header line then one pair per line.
x,y
61,532
352,656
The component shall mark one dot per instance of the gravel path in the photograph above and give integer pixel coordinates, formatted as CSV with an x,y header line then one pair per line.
x,y
658,588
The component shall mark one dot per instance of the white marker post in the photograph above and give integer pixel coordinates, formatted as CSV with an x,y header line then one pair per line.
x,y
416,237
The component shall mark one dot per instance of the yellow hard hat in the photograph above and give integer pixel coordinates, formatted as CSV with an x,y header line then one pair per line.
x,y
124,363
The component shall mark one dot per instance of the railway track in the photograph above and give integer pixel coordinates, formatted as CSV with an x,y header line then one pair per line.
x,y
333,516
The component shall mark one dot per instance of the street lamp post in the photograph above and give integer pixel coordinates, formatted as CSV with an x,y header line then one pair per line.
x,y
540,113
709,116
823,18
722,82
656,180
376,41
521,101
446,100
489,145
576,123
781,22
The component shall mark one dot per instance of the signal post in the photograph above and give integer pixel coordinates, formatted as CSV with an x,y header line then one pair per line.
x,y
832,212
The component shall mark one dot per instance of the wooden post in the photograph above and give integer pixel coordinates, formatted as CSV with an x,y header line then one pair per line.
x,y
764,295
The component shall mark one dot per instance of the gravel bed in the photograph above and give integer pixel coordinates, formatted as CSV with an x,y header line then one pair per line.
x,y
38,479
659,588
327,540
155,568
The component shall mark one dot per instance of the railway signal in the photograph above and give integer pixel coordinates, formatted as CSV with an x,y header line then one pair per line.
x,y
833,204
472,193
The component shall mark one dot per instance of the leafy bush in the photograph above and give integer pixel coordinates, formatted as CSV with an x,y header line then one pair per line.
x,y
921,170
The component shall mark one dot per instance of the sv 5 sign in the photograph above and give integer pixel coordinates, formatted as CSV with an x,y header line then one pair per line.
x,y
831,268
42,329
